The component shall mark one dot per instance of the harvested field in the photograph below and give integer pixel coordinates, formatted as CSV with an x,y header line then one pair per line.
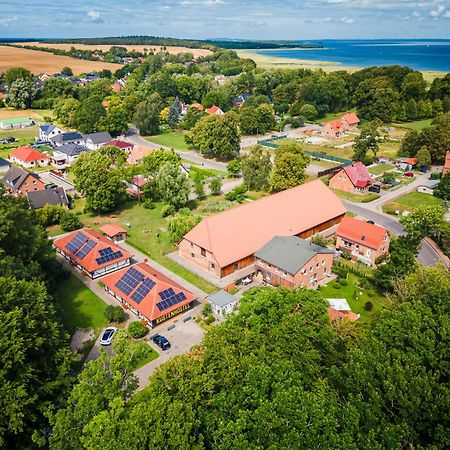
x,y
38,62
36,114
140,48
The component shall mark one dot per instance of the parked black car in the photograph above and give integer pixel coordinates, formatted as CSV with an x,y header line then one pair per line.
x,y
375,188
161,341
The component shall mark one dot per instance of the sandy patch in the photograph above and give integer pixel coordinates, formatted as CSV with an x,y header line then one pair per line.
x,y
80,337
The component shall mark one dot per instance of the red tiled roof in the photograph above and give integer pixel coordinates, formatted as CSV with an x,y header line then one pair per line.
x,y
139,180
116,87
147,306
197,106
447,160
361,232
27,153
337,125
119,143
335,315
351,118
89,262
410,161
213,110
239,232
112,230
139,152
357,173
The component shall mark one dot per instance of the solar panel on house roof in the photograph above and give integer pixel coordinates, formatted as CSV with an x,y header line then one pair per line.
x,y
105,251
85,249
141,292
109,257
129,280
170,299
76,242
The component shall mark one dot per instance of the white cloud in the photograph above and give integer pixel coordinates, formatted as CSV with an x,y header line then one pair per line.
x,y
416,14
8,21
447,15
93,15
347,20
435,13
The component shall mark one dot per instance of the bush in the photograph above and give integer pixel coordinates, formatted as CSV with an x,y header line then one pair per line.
x,y
319,240
114,314
368,306
207,309
148,204
346,256
215,185
70,221
137,330
210,319
370,198
336,285
167,210
343,282
49,215
237,194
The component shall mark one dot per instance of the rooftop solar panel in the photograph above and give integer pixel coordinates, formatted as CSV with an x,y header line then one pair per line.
x,y
76,242
169,299
85,249
105,251
143,290
109,257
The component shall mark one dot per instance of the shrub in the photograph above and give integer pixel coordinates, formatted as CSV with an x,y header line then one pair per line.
x,y
215,185
237,194
370,198
210,319
368,306
167,210
49,215
148,204
343,282
336,285
319,240
114,314
346,256
137,330
70,221
207,309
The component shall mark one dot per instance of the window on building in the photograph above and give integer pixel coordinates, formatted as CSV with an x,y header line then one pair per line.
x,y
269,265
323,262
213,266
284,273
192,255
203,251
310,269
347,244
317,265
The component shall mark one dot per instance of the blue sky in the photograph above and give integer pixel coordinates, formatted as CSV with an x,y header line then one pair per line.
x,y
263,19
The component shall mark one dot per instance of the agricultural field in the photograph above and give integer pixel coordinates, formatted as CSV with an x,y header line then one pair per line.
x,y
38,61
140,48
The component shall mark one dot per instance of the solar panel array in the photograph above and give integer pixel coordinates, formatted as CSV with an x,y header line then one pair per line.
x,y
129,280
76,242
140,293
169,299
107,255
83,251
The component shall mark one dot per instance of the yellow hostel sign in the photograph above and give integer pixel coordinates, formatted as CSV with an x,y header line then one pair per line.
x,y
172,313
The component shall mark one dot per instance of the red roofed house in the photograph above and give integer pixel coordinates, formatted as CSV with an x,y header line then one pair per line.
x,y
92,253
28,156
334,129
226,242
351,119
354,178
152,296
114,232
446,164
406,163
138,153
197,106
334,314
123,145
364,241
116,87
214,111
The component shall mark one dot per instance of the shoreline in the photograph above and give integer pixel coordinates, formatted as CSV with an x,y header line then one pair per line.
x,y
278,62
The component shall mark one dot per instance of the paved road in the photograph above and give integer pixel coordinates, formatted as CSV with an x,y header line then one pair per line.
x,y
133,136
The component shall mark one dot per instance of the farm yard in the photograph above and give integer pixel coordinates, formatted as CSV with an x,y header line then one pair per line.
x,y
38,61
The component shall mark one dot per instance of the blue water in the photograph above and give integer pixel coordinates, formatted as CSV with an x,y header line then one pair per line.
x,y
417,54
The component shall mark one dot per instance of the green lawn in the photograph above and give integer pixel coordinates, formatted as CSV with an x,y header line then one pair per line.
x,y
204,173
24,136
380,168
172,139
149,355
352,293
80,307
416,125
411,201
357,198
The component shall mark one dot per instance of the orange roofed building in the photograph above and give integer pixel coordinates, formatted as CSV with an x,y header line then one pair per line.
x,y
446,164
226,242
334,129
137,153
28,156
354,178
152,296
92,253
214,111
364,241
351,119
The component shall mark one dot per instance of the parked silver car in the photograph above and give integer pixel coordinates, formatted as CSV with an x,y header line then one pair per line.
x,y
108,336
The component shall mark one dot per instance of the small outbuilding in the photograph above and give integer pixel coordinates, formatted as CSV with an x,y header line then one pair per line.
x,y
114,232
428,187
222,303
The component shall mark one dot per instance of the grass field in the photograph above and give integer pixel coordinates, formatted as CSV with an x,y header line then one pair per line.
x,y
149,355
204,173
172,139
416,125
411,201
80,307
140,48
38,61
352,293
357,198
380,168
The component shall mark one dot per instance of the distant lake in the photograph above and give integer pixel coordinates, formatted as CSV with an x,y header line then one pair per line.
x,y
417,54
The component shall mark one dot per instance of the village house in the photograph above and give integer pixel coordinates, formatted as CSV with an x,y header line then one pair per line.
x,y
428,187
351,120
67,154
197,106
114,232
340,309
334,129
134,187
137,153
149,294
52,196
292,262
18,181
47,131
93,141
406,163
446,168
92,253
354,178
363,241
226,242
117,87
222,303
214,111
71,137
28,156
19,122
123,145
